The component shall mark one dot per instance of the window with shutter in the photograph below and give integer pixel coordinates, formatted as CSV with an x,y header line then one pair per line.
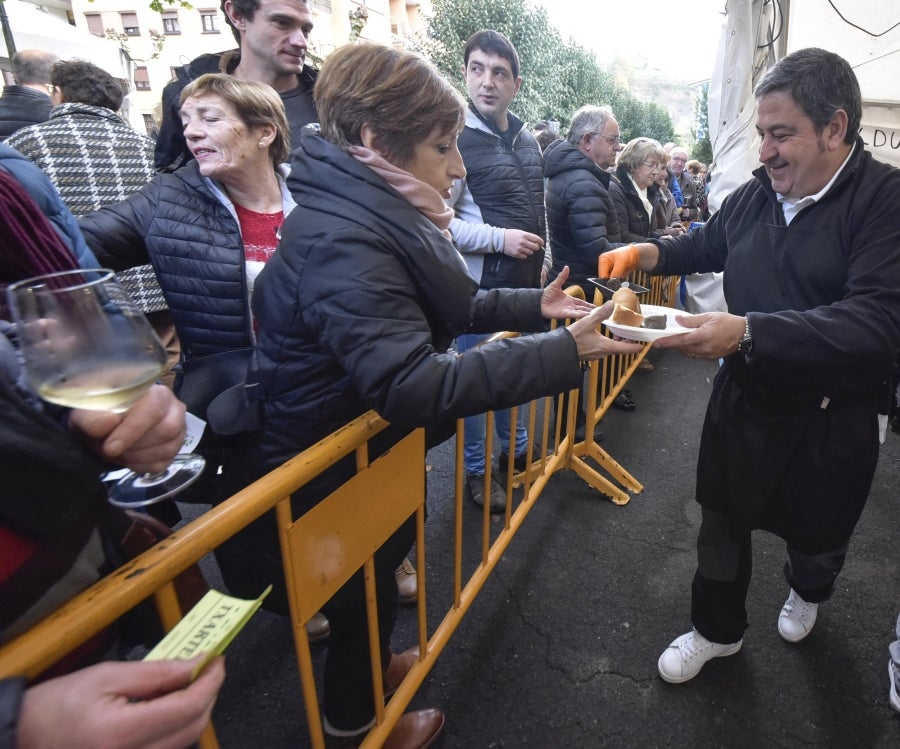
x,y
141,79
130,24
170,22
95,24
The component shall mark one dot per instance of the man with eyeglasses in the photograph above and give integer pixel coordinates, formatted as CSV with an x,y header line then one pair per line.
x,y
581,217
27,102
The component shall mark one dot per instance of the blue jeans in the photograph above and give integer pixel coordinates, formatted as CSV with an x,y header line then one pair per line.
x,y
475,426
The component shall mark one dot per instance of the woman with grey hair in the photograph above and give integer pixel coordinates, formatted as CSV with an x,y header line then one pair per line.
x,y
635,194
634,189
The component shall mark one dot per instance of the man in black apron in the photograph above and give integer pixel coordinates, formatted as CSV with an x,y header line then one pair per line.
x,y
809,250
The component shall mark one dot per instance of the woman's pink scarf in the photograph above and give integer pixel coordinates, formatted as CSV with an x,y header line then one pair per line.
x,y
424,198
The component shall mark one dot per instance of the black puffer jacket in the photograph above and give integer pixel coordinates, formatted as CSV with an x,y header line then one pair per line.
x,y
581,217
507,184
356,311
193,240
358,307
633,219
21,106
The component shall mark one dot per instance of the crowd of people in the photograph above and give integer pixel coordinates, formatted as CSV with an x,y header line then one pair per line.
x,y
322,243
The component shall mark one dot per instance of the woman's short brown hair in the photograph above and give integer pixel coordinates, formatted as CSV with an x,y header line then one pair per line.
x,y
400,95
257,104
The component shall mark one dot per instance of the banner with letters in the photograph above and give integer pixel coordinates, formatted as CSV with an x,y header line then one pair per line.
x,y
881,132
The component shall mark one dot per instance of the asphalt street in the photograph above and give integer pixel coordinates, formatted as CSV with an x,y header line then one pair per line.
x,y
560,649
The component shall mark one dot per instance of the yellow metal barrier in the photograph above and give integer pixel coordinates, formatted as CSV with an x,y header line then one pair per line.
x,y
606,378
151,573
327,545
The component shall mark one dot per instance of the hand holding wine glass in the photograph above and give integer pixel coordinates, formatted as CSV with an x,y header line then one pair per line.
x,y
145,438
88,346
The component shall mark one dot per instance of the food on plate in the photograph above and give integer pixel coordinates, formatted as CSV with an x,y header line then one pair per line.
x,y
627,310
614,283
627,298
655,322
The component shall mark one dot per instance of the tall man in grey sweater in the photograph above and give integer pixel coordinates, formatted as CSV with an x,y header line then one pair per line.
x,y
499,225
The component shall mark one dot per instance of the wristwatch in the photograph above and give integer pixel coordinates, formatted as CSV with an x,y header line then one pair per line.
x,y
745,345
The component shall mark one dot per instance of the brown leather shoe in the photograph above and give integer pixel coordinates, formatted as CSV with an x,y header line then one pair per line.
x,y
416,730
398,668
407,588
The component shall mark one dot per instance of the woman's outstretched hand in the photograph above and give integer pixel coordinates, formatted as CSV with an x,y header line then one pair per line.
x,y
594,345
557,305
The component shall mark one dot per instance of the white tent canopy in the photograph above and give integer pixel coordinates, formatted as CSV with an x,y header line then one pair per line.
x,y
756,34
759,32
867,35
34,28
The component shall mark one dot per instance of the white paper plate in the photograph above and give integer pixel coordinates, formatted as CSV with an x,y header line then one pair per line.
x,y
648,335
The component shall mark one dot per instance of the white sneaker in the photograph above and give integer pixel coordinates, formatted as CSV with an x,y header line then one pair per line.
x,y
895,679
797,618
684,658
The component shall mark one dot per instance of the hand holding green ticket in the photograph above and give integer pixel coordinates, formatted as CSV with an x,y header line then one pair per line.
x,y
206,629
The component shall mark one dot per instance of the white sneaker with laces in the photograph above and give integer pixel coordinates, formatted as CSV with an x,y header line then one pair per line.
x,y
797,618
684,658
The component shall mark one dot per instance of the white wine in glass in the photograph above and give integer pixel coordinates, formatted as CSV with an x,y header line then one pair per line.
x,y
87,345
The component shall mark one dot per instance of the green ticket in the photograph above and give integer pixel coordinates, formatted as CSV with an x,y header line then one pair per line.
x,y
207,629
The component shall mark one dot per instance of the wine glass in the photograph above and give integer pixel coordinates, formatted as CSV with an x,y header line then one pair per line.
x,y
87,345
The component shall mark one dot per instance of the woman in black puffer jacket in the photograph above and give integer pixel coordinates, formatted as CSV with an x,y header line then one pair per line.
x,y
207,229
356,312
634,190
190,224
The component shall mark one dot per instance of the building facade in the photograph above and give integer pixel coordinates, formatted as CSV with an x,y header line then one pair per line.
x,y
158,43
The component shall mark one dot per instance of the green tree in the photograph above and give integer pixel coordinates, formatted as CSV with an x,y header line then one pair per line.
x,y
702,146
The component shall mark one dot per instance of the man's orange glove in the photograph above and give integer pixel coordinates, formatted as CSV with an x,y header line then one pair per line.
x,y
619,263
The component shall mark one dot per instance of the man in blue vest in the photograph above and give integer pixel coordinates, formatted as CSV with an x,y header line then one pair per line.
x,y
499,225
